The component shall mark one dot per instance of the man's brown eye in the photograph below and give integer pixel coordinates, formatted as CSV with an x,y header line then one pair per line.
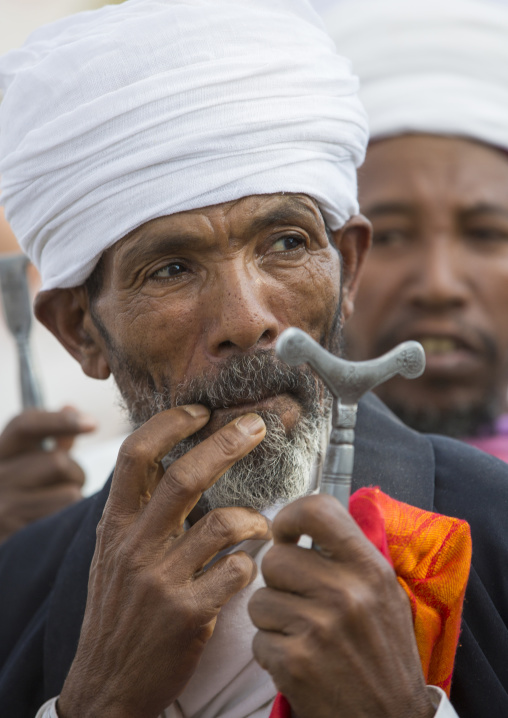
x,y
170,270
287,243
488,234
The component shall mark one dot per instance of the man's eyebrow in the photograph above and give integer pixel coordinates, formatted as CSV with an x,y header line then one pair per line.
x,y
147,244
282,215
381,209
484,208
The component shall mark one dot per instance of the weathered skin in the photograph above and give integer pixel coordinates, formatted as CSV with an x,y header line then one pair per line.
x,y
245,271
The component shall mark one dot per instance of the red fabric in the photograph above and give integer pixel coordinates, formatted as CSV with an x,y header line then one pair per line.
x,y
368,515
281,707
431,555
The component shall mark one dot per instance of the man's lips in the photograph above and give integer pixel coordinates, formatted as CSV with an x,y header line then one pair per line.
x,y
285,405
450,352
268,403
452,349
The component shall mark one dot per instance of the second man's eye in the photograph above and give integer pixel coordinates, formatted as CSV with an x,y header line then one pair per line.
x,y
287,243
170,270
390,237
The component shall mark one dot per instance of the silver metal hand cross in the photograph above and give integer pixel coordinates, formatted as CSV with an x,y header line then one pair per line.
x,y
347,381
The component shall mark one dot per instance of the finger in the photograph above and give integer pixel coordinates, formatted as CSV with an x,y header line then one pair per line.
x,y
27,430
272,610
66,441
138,467
32,505
217,531
287,567
270,650
326,521
225,578
38,469
185,480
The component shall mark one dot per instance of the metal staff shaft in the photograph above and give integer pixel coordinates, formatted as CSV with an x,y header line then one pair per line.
x,y
18,315
347,381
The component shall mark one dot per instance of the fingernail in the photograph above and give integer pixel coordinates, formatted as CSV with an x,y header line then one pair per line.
x,y
251,424
197,411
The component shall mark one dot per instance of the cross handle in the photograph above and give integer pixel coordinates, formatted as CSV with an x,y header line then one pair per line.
x,y
348,380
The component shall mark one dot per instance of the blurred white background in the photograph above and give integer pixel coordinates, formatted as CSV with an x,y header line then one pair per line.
x,y
63,382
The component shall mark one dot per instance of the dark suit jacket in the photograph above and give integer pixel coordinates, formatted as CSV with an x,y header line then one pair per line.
x,y
44,568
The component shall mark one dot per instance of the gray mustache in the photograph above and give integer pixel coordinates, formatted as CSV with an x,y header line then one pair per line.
x,y
250,378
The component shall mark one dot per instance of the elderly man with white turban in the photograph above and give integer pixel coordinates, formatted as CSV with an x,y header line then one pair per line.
x,y
182,173
434,81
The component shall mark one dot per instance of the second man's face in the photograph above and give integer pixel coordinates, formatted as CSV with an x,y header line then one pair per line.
x,y
437,273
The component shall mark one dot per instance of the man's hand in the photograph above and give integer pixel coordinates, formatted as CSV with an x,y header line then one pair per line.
x,y
34,482
335,628
151,608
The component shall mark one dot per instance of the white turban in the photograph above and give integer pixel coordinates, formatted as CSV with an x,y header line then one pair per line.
x,y
431,66
115,117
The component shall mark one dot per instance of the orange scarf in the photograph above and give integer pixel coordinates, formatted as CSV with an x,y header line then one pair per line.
x,y
431,555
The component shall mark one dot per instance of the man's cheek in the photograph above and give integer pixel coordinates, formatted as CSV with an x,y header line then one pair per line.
x,y
317,295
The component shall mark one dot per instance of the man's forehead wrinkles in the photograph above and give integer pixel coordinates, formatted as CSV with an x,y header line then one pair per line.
x,y
157,238
287,213
151,243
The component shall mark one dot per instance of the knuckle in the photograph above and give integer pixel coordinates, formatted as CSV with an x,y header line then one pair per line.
x,y
101,529
134,452
190,612
115,551
181,480
299,663
64,468
228,442
106,532
273,561
151,584
73,471
259,649
257,602
218,525
237,568
355,603
321,628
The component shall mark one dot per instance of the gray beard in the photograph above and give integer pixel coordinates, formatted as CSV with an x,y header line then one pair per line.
x,y
279,469
276,471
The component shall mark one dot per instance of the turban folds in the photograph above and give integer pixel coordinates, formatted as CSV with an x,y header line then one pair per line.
x,y
438,67
114,117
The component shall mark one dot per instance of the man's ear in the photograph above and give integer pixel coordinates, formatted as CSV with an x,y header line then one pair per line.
x,y
66,313
353,242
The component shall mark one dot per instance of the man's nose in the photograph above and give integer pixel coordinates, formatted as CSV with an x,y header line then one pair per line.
x,y
441,278
240,311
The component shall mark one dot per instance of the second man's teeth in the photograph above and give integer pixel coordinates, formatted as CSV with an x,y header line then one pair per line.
x,y
438,345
